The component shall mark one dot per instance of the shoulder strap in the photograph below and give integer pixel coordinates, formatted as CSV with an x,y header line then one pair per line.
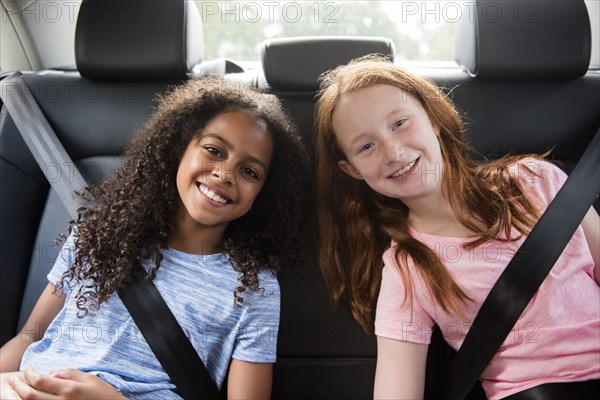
x,y
167,339
42,141
148,309
525,273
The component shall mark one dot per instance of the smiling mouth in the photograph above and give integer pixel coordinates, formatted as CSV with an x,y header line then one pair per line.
x,y
404,169
205,190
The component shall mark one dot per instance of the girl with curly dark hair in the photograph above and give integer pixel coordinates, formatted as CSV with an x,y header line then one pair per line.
x,y
208,200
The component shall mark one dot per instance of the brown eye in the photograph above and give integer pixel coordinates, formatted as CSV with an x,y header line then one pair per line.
x,y
214,151
250,173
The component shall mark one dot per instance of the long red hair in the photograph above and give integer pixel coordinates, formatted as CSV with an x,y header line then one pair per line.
x,y
356,224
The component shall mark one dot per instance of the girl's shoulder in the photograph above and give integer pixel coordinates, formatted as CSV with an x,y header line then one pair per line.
x,y
528,166
391,261
68,242
266,297
527,170
268,280
539,177
65,257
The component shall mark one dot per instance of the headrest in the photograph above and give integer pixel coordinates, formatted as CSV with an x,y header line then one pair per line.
x,y
138,40
548,39
297,63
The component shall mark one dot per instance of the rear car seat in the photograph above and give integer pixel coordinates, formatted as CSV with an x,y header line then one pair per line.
x,y
517,92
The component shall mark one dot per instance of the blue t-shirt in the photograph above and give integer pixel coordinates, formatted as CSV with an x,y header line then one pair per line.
x,y
199,291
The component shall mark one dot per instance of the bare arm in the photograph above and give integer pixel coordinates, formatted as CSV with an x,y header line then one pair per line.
x,y
249,380
400,372
46,308
591,229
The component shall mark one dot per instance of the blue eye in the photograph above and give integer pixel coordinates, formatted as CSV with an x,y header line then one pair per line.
x,y
365,147
398,124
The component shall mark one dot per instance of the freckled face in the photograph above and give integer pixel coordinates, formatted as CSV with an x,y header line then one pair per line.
x,y
223,169
389,142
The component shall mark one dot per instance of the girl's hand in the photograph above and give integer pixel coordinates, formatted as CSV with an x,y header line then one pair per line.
x,y
6,391
64,384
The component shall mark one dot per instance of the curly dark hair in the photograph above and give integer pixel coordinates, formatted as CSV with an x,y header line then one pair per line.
x,y
133,211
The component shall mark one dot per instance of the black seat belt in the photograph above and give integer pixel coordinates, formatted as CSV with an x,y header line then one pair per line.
x,y
167,339
141,298
525,273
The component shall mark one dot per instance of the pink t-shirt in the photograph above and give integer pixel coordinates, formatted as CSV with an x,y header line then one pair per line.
x,y
557,338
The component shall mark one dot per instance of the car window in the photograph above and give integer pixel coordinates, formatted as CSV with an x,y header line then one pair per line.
x,y
419,30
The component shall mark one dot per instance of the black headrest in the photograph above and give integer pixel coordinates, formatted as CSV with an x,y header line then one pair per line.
x,y
296,63
138,40
527,39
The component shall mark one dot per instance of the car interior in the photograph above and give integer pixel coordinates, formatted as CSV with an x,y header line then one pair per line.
x,y
521,87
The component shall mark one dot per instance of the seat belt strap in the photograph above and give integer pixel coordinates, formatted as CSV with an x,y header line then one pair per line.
x,y
525,273
167,339
42,141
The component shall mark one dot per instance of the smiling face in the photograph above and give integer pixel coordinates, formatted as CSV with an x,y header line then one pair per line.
x,y
222,170
389,142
